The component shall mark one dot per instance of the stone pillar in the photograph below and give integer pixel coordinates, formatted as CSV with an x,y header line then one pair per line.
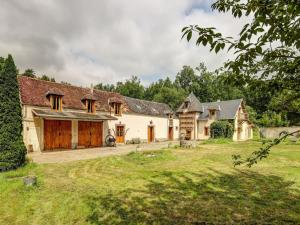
x,y
74,134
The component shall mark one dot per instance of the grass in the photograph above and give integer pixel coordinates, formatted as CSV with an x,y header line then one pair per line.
x,y
175,186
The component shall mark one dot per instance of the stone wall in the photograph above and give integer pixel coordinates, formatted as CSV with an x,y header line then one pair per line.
x,y
274,132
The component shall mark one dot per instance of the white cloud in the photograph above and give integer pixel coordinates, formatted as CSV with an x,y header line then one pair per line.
x,y
93,41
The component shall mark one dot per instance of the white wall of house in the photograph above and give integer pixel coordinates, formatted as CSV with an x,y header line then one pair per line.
x,y
135,124
246,131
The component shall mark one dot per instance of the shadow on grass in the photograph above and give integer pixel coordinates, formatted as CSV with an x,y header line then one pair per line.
x,y
189,198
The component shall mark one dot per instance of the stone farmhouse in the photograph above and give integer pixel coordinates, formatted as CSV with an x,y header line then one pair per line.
x,y
60,116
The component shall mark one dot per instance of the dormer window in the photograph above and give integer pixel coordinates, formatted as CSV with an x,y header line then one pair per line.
x,y
55,97
56,102
90,105
186,104
116,105
117,109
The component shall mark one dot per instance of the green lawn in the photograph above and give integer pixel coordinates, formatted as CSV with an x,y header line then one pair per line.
x,y
175,186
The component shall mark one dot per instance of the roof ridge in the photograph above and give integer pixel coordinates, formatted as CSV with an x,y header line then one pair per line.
x,y
145,100
223,101
67,85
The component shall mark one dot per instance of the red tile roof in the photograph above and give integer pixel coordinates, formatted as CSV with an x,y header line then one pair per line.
x,y
34,92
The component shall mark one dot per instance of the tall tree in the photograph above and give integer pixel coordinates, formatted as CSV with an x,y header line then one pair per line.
x,y
156,87
268,48
12,149
171,96
131,88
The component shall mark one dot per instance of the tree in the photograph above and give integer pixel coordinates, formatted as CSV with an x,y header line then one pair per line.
x,y
171,96
29,73
12,149
156,87
207,86
131,88
65,82
105,87
267,48
47,78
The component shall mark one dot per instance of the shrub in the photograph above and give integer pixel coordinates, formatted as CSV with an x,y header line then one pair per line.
x,y
221,129
273,119
13,156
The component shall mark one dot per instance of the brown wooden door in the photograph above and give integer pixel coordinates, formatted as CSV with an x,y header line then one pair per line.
x,y
57,134
90,134
120,135
96,134
150,134
170,133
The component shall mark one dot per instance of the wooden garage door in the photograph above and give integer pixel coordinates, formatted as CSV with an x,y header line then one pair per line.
x,y
90,134
57,134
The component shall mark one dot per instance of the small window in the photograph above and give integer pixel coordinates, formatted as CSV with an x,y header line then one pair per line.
x,y
170,116
186,104
117,107
56,102
90,105
212,112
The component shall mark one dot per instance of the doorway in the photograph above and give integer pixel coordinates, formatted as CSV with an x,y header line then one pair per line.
x,y
120,133
170,134
150,134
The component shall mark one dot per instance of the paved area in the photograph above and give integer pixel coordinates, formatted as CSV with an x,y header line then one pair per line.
x,y
91,153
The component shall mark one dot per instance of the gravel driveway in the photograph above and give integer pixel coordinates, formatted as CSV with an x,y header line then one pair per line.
x,y
91,153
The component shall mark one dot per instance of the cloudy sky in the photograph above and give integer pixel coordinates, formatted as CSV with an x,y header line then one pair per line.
x,y
94,41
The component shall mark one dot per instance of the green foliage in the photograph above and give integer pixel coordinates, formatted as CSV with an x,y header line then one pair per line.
x,y
221,129
165,91
273,119
131,88
105,87
29,73
47,78
268,45
207,86
171,96
12,149
266,52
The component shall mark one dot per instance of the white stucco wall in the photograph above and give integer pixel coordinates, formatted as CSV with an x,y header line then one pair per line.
x,y
135,124
246,131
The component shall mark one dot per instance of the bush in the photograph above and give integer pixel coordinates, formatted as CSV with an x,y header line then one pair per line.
x,y
221,129
273,119
13,156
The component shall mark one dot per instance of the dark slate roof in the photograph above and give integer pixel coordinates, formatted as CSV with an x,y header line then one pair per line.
x,y
71,115
147,107
194,104
224,109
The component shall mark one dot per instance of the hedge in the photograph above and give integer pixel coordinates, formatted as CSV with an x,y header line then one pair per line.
x,y
221,129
